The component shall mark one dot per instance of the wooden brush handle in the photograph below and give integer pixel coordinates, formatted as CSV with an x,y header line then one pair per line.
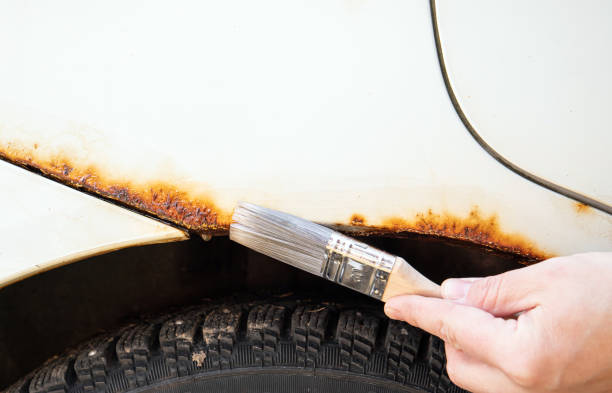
x,y
406,280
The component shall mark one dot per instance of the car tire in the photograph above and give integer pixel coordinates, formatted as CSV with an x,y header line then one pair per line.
x,y
276,345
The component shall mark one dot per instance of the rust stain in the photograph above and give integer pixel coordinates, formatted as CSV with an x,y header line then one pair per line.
x,y
474,228
159,199
582,207
199,214
357,220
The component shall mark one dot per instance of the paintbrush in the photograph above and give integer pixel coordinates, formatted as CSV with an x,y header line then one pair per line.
x,y
324,252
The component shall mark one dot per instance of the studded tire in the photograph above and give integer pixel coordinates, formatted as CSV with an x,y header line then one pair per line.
x,y
274,345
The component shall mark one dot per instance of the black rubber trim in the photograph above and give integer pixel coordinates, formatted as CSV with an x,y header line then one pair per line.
x,y
501,159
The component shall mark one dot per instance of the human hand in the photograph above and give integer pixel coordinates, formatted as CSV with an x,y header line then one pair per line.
x,y
560,342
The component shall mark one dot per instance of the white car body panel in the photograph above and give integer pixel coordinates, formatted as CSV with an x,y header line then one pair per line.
x,y
46,225
534,79
332,110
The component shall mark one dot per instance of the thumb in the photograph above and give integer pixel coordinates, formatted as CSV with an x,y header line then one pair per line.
x,y
502,295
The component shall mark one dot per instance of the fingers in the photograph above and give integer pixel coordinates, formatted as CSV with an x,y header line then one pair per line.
x,y
474,331
476,376
501,295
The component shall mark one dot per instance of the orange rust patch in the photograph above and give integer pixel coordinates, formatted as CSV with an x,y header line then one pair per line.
x,y
475,228
165,201
582,207
357,220
159,199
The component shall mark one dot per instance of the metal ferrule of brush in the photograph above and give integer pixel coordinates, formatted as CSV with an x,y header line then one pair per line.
x,y
357,265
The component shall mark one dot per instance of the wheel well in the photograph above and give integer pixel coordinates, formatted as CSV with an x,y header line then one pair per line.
x,y
47,313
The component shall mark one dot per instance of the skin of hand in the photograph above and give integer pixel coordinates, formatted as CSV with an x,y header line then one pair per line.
x,y
542,328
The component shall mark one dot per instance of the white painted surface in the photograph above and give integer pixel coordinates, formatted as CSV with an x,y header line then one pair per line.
x,y
45,225
319,108
534,79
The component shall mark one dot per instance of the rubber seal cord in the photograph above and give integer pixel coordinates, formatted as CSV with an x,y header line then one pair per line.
x,y
492,152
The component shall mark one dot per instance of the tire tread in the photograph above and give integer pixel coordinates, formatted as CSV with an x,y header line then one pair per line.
x,y
235,335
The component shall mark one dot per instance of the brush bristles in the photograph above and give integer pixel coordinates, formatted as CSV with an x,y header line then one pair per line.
x,y
289,239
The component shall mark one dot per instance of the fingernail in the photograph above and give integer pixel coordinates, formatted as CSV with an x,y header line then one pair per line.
x,y
392,312
455,289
